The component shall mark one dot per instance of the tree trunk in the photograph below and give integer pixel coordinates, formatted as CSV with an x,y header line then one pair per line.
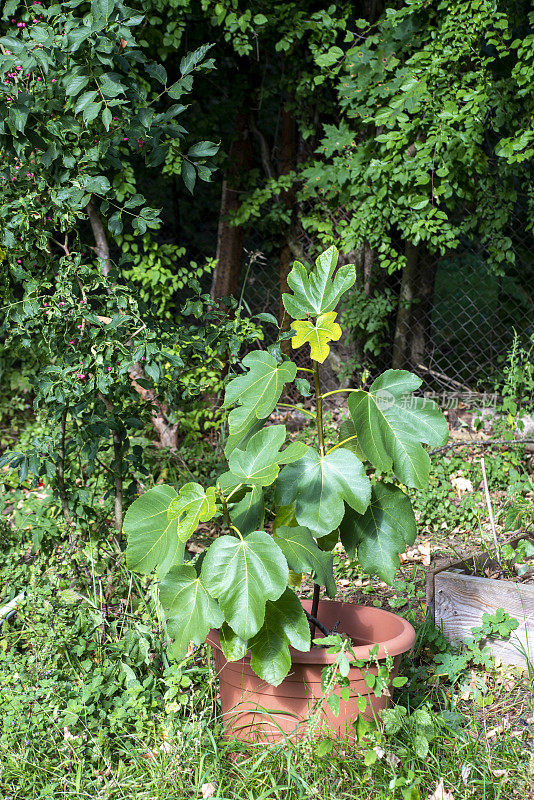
x,y
101,240
372,9
422,311
230,237
364,258
168,434
404,313
369,258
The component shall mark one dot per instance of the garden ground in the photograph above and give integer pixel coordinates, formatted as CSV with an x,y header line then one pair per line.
x,y
91,708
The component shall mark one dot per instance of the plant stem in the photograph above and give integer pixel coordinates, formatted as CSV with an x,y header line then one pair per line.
x,y
312,617
99,232
320,436
117,452
338,391
315,622
302,410
319,401
340,444
490,511
226,512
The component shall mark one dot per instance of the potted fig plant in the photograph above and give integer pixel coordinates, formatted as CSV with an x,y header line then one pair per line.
x,y
238,594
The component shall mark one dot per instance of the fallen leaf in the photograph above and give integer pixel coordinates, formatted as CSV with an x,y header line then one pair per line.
x,y
193,547
440,792
466,772
424,550
498,730
461,484
208,790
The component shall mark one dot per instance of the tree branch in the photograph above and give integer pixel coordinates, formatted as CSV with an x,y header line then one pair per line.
x,y
265,160
101,240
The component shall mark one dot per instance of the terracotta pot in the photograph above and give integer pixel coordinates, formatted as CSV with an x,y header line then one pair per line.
x,y
256,711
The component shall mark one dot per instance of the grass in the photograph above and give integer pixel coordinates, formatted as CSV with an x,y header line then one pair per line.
x,y
147,767
85,718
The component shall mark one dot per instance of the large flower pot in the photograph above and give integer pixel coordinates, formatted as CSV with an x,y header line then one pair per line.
x,y
256,711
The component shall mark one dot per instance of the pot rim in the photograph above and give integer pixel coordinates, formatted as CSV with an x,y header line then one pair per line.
x,y
394,646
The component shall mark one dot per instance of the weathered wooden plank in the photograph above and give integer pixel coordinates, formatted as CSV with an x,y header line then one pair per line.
x,y
460,600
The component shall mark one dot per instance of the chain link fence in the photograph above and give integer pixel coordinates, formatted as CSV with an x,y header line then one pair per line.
x,y
460,332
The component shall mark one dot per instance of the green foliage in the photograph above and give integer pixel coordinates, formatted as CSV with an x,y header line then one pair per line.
x,y
317,493
319,291
257,391
519,558
517,388
243,574
285,624
259,463
153,537
453,664
385,530
98,107
431,124
157,269
88,706
190,611
319,484
91,111
367,319
303,555
391,423
325,330
440,507
421,726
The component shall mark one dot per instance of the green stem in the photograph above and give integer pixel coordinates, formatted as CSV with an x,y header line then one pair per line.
x,y
319,401
233,528
303,410
320,436
237,488
339,391
226,512
340,444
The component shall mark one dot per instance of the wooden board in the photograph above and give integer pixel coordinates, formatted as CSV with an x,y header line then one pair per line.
x,y
460,600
